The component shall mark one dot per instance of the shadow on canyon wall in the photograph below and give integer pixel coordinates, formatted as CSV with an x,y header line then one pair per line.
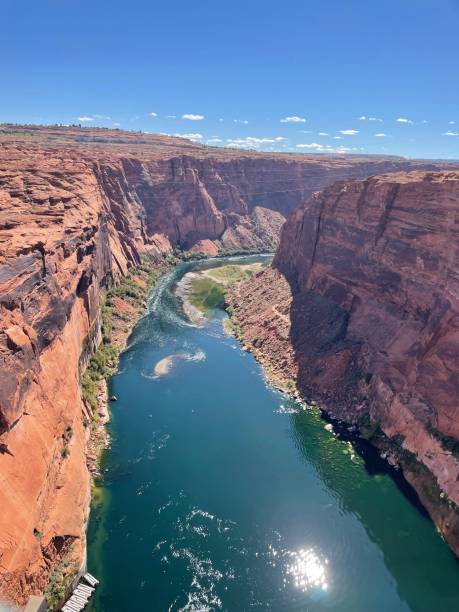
x,y
389,524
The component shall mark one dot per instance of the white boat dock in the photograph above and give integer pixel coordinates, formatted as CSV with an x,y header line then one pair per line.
x,y
81,594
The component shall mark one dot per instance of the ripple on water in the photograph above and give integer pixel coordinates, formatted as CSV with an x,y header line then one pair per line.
x,y
165,365
262,562
339,546
288,408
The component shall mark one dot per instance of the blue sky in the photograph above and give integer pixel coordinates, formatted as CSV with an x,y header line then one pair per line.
x,y
271,75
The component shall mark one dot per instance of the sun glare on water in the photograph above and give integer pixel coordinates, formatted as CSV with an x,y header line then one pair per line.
x,y
307,570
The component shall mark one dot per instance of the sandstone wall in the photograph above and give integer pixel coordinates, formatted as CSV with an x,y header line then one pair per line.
x,y
74,217
361,308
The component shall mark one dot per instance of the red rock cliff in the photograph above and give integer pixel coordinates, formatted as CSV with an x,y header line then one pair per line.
x,y
77,208
361,308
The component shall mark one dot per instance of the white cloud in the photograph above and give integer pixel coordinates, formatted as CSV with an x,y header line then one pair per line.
x,y
252,142
323,134
404,120
338,137
152,114
424,121
244,121
452,123
171,116
312,145
117,124
214,140
320,148
349,132
345,149
293,119
381,135
85,119
221,119
102,117
194,137
450,133
364,118
192,117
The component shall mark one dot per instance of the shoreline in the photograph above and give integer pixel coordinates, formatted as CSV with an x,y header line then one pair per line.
x,y
182,291
99,438
121,305
121,308
412,476
184,286
98,414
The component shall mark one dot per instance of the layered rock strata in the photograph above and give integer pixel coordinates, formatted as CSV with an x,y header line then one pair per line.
x,y
361,310
77,209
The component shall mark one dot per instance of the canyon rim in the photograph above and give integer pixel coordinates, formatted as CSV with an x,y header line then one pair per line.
x,y
360,307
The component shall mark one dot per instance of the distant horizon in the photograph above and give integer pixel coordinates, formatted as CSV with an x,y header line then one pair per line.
x,y
226,146
354,77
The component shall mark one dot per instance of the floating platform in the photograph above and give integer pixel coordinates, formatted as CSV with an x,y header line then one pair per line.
x,y
81,594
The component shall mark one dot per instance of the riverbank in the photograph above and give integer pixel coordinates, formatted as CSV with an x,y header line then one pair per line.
x,y
260,319
122,306
306,523
203,291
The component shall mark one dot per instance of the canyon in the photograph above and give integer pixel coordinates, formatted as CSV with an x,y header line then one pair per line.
x,y
360,306
360,311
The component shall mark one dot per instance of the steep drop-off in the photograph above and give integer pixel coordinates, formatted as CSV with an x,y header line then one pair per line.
x,y
361,310
77,209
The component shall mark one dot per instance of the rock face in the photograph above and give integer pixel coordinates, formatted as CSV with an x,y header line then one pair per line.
x,y
79,207
57,249
361,309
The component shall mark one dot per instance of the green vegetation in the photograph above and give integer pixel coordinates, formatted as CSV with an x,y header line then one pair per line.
x,y
37,534
133,289
186,255
208,288
449,443
182,255
15,133
234,252
207,295
371,430
233,327
65,452
233,273
59,583
66,437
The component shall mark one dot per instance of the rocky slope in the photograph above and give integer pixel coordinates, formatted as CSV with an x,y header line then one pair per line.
x,y
77,209
361,309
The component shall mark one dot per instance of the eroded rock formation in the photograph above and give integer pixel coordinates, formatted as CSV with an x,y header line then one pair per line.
x,y
361,309
77,209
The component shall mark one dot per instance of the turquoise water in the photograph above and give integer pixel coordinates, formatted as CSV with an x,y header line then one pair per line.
x,y
222,494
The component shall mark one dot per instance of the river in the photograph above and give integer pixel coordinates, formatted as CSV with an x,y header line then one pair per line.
x,y
220,493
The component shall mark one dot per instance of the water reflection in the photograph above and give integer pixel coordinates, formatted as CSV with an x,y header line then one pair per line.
x,y
224,495
307,570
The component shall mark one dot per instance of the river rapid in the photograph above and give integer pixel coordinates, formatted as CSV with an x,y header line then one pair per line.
x,y
220,493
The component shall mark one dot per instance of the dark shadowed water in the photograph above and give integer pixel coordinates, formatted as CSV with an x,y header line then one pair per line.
x,y
222,494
